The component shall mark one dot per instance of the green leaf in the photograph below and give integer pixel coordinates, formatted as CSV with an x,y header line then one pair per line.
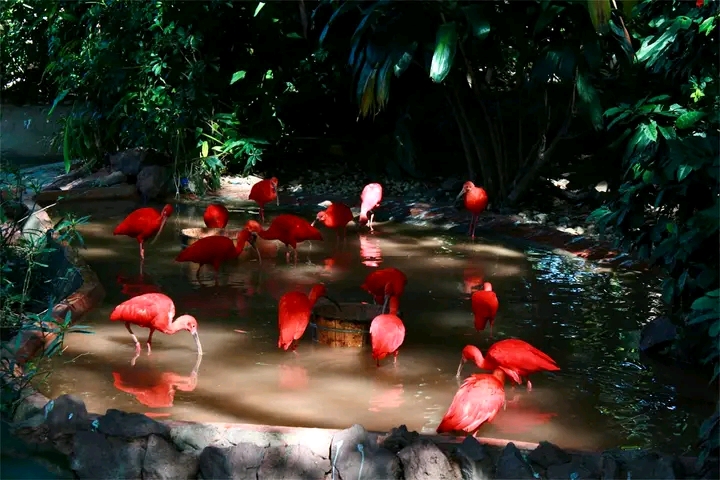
x,y
705,303
650,130
259,7
683,171
707,26
668,133
714,294
614,111
205,148
239,75
61,96
550,12
479,26
688,119
444,54
405,60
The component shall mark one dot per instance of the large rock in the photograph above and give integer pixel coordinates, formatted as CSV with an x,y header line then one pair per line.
x,y
117,423
352,454
66,414
96,456
473,460
423,460
152,180
164,462
292,462
399,438
547,454
240,462
657,334
128,161
512,466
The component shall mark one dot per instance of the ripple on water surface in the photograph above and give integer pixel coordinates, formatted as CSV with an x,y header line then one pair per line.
x,y
587,319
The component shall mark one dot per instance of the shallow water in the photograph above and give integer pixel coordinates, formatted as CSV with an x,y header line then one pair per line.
x,y
586,318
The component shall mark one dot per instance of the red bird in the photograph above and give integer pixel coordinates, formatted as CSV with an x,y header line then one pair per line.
x,y
152,388
369,200
294,311
287,228
143,223
264,191
336,216
385,283
216,250
156,312
517,358
216,216
387,333
478,400
484,306
476,201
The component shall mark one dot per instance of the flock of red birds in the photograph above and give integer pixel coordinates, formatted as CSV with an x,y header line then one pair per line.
x,y
479,398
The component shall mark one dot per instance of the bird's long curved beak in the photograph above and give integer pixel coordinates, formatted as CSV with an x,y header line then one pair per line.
x,y
197,362
459,370
313,223
162,224
196,337
385,304
277,199
462,192
333,302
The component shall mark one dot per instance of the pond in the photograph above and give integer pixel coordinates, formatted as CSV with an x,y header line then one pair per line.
x,y
586,318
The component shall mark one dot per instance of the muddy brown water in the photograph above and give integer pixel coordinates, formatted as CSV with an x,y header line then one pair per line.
x,y
586,318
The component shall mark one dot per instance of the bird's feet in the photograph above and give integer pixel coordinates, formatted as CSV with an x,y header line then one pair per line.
x,y
529,386
149,349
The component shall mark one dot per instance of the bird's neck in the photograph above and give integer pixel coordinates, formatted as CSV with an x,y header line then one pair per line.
x,y
173,327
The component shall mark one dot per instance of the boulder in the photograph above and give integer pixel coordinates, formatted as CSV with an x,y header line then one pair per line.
x,y
547,454
399,438
65,415
97,456
152,180
291,462
117,423
240,462
128,161
352,454
657,334
164,462
512,466
423,460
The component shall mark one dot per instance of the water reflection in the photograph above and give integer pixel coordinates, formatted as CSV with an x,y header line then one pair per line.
x,y
521,415
384,398
292,377
152,387
473,278
137,285
370,251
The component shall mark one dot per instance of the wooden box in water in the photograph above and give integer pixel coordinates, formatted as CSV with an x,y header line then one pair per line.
x,y
349,327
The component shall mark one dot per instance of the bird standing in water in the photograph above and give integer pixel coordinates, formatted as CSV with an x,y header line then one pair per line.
x,y
216,250
263,192
478,400
385,283
287,228
387,332
156,312
336,217
142,224
476,201
370,198
294,311
484,306
216,216
517,358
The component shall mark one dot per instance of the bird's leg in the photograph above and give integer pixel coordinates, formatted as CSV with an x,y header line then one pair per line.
x,y
395,359
217,277
287,255
142,263
378,362
473,226
132,362
138,348
529,385
197,274
142,251
262,215
149,341
372,216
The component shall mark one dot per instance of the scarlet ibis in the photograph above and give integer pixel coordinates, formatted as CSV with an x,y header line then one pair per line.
x,y
484,306
517,358
156,312
263,192
387,332
336,217
370,198
385,283
478,400
287,228
294,311
476,201
216,250
216,216
143,223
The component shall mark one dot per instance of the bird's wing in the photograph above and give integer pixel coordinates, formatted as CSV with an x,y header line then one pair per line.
x,y
151,309
387,333
477,401
293,315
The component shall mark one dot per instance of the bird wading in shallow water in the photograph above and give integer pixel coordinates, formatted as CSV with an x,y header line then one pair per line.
x,y
294,309
387,332
478,400
370,198
156,312
216,216
484,306
335,217
517,358
142,224
385,283
264,192
288,229
216,250
476,201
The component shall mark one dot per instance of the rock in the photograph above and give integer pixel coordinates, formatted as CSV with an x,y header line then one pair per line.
x,y
424,460
64,179
399,438
164,462
657,334
292,462
114,178
151,180
452,185
547,454
96,456
240,462
469,469
196,436
66,414
352,448
575,470
117,423
128,162
475,450
652,465
511,465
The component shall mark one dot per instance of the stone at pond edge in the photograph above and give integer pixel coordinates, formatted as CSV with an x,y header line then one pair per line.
x,y
423,460
352,448
512,466
66,414
547,454
292,462
152,180
399,438
240,462
117,423
574,469
128,161
473,459
97,456
657,334
164,462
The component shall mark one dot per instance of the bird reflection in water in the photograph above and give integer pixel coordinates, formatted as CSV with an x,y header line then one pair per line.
x,y
292,377
384,398
370,251
339,262
153,388
473,278
136,285
521,416
214,302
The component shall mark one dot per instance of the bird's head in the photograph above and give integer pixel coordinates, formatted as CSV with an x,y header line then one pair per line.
x,y
471,353
320,217
274,184
167,211
487,286
467,186
253,226
189,323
